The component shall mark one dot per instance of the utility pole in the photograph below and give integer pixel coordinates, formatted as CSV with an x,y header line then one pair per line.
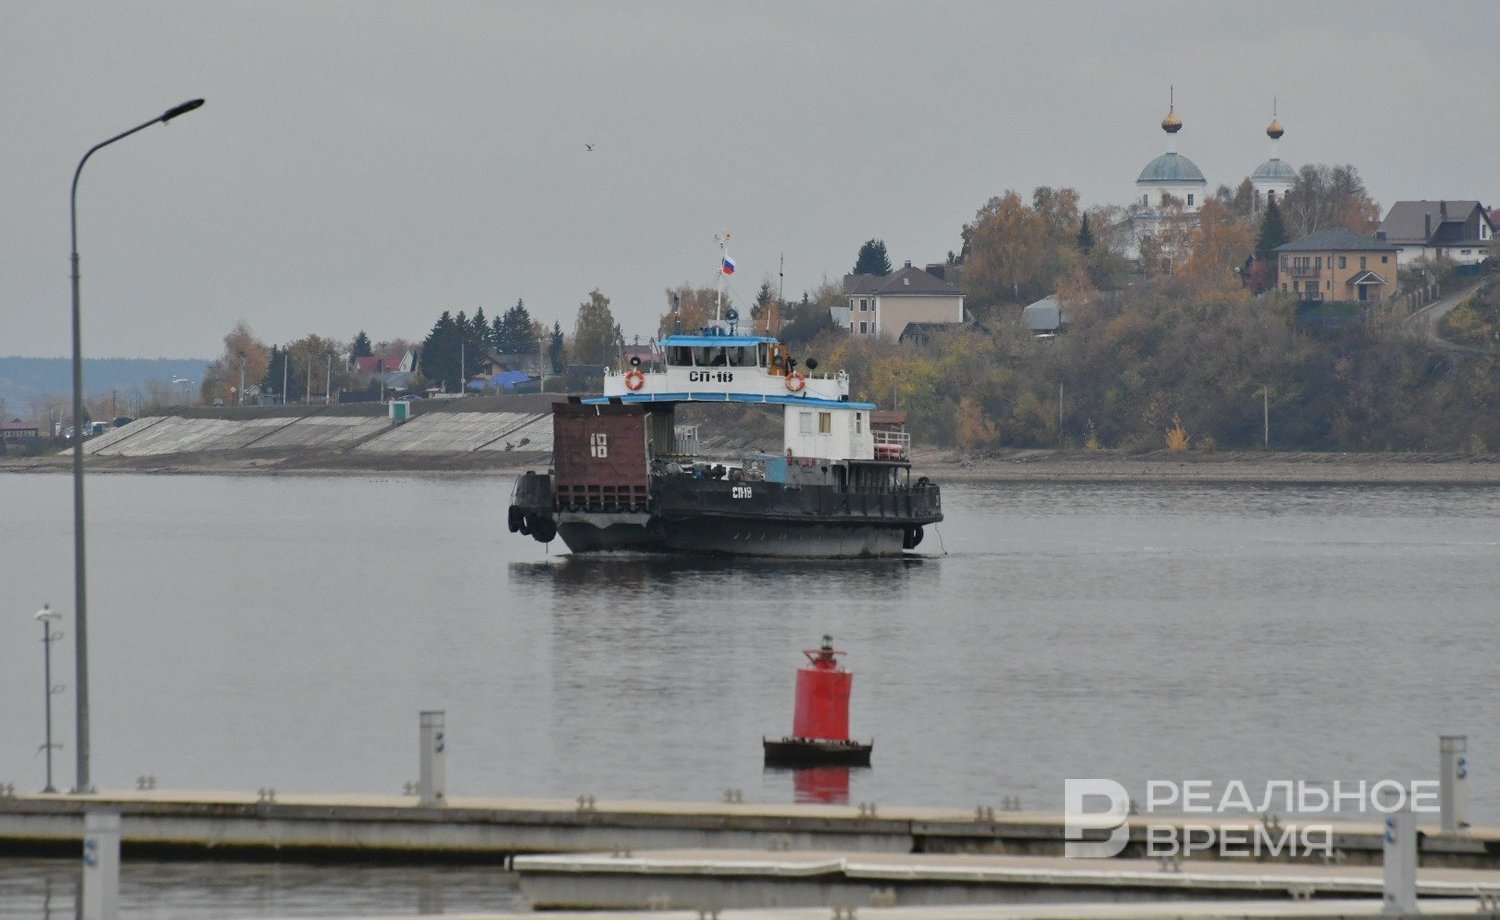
x,y
1059,413
328,383
1265,407
241,400
307,397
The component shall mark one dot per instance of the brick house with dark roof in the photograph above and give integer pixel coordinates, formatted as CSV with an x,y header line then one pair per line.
x,y
1337,264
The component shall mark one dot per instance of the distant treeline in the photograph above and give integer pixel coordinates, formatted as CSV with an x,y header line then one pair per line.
x,y
29,382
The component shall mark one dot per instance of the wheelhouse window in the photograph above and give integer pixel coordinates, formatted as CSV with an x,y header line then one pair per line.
x,y
825,423
804,423
680,356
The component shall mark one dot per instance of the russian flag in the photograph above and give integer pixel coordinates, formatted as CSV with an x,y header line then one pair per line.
x,y
728,268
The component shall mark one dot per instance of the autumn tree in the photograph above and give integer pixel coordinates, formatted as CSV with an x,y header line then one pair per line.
x,y
689,309
1004,250
314,367
1329,196
221,379
975,429
597,338
872,259
1218,247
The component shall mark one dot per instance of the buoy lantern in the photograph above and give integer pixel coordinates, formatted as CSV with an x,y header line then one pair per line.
x,y
820,720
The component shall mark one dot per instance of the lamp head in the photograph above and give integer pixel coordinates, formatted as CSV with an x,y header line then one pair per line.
x,y
47,613
183,109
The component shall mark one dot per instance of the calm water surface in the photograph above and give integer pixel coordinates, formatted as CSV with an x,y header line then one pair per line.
x,y
258,631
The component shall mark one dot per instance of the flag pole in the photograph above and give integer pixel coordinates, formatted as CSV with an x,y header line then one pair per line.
x,y
723,239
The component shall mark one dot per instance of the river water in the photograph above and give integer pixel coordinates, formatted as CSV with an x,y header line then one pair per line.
x,y
285,632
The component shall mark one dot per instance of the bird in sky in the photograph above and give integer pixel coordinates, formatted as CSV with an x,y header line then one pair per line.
x,y
589,146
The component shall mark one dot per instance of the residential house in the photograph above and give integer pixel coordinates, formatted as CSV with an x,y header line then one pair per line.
x,y
1459,231
883,305
643,356
1046,316
390,371
17,430
1337,264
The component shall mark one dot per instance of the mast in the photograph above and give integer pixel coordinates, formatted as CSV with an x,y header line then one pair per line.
x,y
723,240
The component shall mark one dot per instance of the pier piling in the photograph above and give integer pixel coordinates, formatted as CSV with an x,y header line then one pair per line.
x,y
1453,787
432,783
101,865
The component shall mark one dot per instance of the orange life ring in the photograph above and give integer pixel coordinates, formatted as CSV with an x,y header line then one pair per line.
x,y
634,379
795,381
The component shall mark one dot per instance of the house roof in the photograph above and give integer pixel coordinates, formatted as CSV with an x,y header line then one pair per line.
x,y
1046,315
1365,277
1337,239
1421,221
1172,167
907,281
16,424
378,364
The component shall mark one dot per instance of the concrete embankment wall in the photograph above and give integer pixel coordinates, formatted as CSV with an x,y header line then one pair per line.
x,y
486,428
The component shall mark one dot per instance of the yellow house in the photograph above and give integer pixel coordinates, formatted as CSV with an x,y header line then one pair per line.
x,y
1337,264
886,305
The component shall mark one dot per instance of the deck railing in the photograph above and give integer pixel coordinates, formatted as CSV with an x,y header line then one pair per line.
x,y
892,445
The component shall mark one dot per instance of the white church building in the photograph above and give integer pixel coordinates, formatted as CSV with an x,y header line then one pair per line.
x,y
1171,188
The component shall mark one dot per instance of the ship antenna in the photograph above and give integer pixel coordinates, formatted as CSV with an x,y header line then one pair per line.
x,y
775,316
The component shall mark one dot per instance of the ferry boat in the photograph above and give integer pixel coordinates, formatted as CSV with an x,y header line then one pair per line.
x,y
626,477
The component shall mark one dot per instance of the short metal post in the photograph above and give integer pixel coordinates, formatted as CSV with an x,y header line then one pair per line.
x,y
1453,787
432,782
101,865
1399,860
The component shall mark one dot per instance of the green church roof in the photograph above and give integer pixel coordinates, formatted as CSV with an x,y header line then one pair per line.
x,y
1171,167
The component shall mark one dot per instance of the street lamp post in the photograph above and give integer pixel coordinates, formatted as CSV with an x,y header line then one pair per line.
x,y
81,693
328,383
47,616
241,400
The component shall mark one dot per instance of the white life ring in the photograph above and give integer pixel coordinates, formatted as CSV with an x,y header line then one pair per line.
x,y
795,381
634,379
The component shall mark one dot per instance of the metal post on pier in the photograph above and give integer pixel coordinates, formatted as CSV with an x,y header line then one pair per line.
x,y
432,782
47,616
1453,787
1399,860
101,865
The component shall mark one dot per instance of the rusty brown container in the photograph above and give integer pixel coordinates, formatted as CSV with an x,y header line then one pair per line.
x,y
599,457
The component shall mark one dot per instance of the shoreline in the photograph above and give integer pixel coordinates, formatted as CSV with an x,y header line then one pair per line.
x,y
1068,467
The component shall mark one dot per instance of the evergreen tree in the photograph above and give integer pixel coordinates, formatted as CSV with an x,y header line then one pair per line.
x,y
597,338
556,346
1085,236
361,346
479,330
1272,232
872,259
439,352
760,310
513,332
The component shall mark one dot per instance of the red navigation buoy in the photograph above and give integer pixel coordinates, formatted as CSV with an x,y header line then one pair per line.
x,y
820,721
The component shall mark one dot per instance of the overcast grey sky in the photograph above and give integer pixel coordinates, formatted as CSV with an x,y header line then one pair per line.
x,y
366,165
